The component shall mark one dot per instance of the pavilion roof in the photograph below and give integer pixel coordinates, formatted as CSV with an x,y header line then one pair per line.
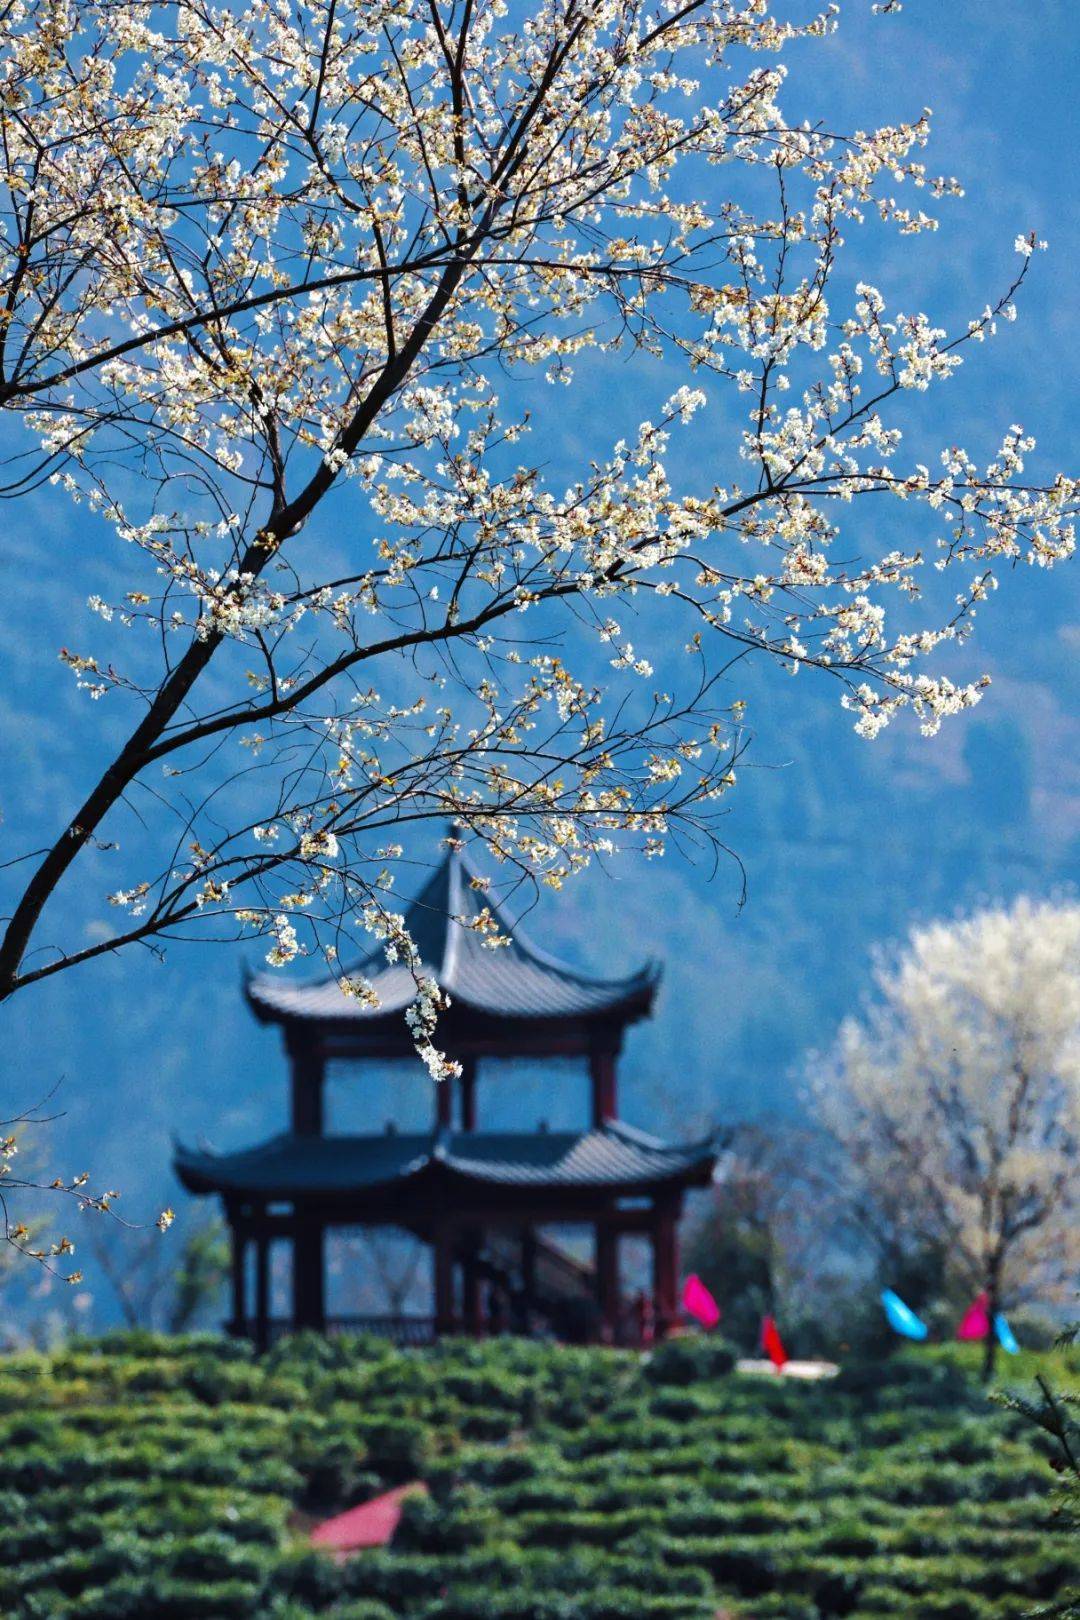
x,y
612,1156
514,980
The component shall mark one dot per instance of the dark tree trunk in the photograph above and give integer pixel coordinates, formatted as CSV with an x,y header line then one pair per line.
x,y
993,1305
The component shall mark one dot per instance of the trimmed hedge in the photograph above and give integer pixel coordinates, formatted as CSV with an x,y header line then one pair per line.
x,y
150,1478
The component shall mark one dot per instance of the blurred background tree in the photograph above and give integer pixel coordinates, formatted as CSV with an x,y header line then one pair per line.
x,y
940,1158
954,1105
199,1279
147,1283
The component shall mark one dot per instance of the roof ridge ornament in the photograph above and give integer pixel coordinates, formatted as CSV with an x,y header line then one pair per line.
x,y
453,928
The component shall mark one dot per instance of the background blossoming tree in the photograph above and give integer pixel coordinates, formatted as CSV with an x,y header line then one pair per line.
x,y
268,278
956,1101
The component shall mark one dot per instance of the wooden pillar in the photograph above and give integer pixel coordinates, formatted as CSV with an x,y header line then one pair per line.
x,y
309,1300
528,1266
665,1240
472,1301
262,1290
308,1077
605,1101
607,1280
468,1094
239,1308
523,1307
445,1321
444,1105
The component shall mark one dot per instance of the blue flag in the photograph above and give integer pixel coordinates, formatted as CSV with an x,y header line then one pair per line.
x,y
902,1318
1006,1337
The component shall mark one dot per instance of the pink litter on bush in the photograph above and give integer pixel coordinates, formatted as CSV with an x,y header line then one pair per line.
x,y
369,1524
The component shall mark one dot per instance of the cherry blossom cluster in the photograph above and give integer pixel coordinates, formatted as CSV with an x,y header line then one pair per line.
x,y
275,284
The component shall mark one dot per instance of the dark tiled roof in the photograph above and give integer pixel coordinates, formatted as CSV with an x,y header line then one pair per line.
x,y
515,980
613,1156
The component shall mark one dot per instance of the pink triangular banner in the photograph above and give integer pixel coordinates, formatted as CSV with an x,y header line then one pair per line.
x,y
699,1303
975,1323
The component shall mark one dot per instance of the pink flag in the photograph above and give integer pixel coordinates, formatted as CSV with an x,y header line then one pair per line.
x,y
976,1321
772,1343
699,1303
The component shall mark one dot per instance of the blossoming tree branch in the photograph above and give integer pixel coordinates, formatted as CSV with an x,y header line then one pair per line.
x,y
273,279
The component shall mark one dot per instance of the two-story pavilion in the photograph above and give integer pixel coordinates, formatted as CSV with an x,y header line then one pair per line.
x,y
477,1197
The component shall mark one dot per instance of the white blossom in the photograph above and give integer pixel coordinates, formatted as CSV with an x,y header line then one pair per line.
x,y
276,327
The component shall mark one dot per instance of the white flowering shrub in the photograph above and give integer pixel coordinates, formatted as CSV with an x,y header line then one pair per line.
x,y
273,279
956,1101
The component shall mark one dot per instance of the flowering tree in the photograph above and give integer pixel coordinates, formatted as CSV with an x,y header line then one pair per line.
x,y
25,1235
270,278
956,1099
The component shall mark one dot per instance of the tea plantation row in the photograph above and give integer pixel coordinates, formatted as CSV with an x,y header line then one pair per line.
x,y
171,1479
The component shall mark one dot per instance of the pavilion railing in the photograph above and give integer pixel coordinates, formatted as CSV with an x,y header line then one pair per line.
x,y
633,1328
400,1330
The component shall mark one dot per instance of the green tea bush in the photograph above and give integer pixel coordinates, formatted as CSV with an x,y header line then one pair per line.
x,y
690,1360
360,1610
152,1478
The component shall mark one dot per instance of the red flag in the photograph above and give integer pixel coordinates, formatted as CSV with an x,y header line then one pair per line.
x,y
699,1303
772,1344
976,1320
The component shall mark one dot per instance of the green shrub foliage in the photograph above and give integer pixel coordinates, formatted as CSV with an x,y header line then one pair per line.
x,y
156,1478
